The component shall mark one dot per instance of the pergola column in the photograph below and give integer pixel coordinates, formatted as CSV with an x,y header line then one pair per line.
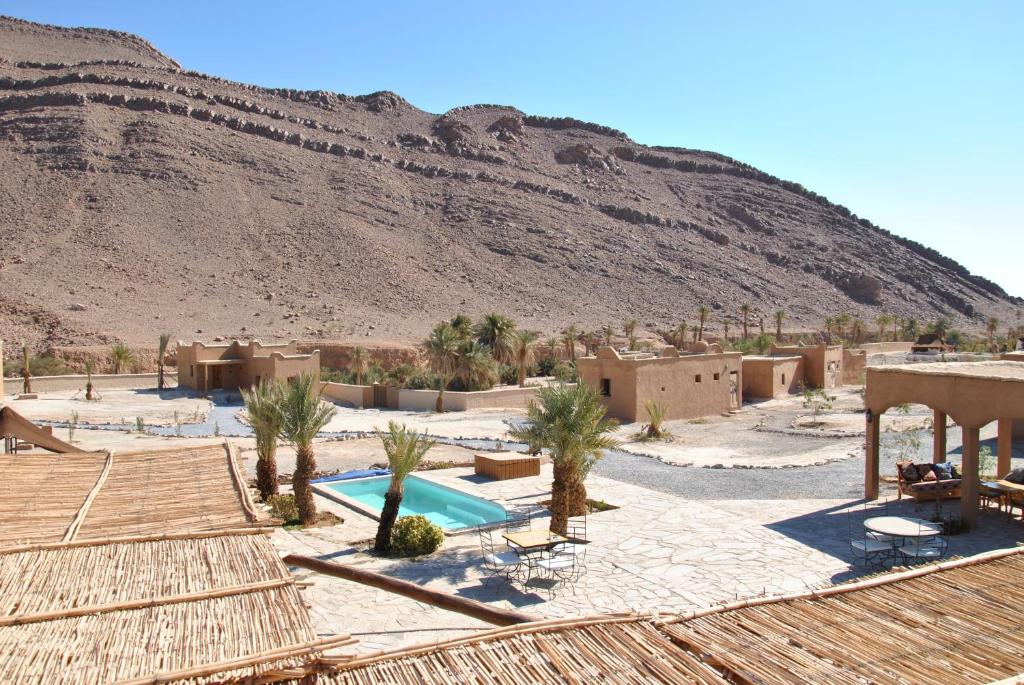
x,y
969,482
939,437
871,449
1004,447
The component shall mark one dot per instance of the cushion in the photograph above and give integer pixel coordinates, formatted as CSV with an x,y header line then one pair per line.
x,y
929,477
943,471
1016,476
954,471
924,472
909,472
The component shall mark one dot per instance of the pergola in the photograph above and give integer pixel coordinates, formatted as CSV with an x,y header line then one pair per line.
x,y
973,394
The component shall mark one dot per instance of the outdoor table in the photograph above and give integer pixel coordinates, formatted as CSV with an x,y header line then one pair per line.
x,y
902,526
528,541
1004,492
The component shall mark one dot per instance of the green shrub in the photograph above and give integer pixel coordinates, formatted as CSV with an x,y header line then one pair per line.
x,y
37,366
284,508
508,374
413,536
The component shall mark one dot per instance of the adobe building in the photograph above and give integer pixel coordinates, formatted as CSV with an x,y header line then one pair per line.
x,y
823,364
234,365
688,385
768,377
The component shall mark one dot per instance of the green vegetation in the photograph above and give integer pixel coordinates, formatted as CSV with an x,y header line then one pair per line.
x,y
817,401
140,424
283,507
405,449
359,363
303,415
568,421
161,353
415,536
72,425
654,430
120,357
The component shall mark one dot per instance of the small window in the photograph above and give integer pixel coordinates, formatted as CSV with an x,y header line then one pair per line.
x,y
606,387
716,376
191,370
696,379
783,379
663,388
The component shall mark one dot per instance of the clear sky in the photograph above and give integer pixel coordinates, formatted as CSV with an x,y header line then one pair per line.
x,y
909,113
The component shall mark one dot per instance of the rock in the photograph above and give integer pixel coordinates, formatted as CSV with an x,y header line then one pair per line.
x,y
78,307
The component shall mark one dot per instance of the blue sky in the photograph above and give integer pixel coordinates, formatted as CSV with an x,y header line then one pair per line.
x,y
909,113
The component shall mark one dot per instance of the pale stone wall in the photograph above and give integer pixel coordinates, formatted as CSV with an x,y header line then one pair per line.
x,y
771,377
883,347
100,381
688,386
357,396
854,364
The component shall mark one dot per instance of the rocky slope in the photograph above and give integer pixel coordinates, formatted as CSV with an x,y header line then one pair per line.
x,y
139,198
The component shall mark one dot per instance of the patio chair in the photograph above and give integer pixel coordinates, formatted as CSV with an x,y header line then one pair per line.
x,y
576,533
868,548
499,562
560,567
924,548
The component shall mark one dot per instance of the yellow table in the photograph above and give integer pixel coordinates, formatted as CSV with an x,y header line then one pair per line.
x,y
532,540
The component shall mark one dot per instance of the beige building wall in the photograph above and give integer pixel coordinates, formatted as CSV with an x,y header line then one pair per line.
x,y
688,386
880,348
234,365
855,363
823,364
771,377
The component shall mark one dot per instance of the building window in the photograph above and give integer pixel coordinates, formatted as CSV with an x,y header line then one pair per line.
x,y
192,371
696,379
716,376
783,379
606,387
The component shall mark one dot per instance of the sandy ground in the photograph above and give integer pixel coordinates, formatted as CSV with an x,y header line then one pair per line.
x,y
116,406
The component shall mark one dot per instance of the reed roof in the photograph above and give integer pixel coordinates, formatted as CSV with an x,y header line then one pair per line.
x,y
47,498
956,622
194,607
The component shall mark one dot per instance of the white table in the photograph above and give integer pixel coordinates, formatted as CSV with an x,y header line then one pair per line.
x,y
902,526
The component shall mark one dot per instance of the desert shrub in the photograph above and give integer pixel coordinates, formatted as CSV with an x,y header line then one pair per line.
x,y
422,380
284,508
414,536
508,375
337,376
546,366
400,375
38,366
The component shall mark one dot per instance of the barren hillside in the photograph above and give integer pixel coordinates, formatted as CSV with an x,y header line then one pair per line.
x,y
138,198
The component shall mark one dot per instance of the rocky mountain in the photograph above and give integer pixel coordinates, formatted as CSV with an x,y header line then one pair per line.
x,y
139,197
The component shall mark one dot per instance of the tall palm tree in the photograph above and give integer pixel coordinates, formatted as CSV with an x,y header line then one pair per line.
x,y
607,334
524,346
680,335
589,340
303,417
495,333
702,318
883,320
359,363
552,344
745,310
569,340
405,449
780,316
570,421
463,326
629,327
857,330
911,328
990,327
940,327
88,379
725,326
263,414
443,356
161,353
476,368
829,325
26,371
841,320
120,357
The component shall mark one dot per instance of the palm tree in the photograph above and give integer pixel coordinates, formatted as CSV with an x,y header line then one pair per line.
x,y
443,354
990,327
911,328
745,310
405,450
463,326
476,369
120,357
702,315
780,316
883,321
841,321
940,327
26,371
359,363
88,379
829,324
589,340
629,327
524,346
569,420
725,327
680,335
161,352
857,330
263,414
552,343
495,333
569,340
303,417
607,333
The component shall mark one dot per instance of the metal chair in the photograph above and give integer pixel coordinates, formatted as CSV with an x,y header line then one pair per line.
x,y
576,533
924,548
561,567
868,548
499,562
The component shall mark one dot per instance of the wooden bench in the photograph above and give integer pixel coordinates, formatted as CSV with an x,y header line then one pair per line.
x,y
506,465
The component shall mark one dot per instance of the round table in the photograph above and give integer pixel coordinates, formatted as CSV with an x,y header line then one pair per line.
x,y
902,526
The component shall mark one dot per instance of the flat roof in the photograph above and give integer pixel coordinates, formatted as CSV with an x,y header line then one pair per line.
x,y
995,370
772,358
221,362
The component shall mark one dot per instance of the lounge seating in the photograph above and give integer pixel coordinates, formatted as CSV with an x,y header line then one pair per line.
x,y
506,465
927,482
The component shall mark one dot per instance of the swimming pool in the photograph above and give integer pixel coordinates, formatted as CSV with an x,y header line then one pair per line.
x,y
447,507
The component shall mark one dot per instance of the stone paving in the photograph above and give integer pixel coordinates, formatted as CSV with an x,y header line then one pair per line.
x,y
657,552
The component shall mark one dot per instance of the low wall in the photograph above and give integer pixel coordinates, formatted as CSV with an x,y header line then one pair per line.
x,y
883,347
496,398
357,396
100,381
854,364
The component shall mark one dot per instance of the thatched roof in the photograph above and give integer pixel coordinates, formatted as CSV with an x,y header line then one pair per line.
x,y
15,425
957,622
46,498
196,607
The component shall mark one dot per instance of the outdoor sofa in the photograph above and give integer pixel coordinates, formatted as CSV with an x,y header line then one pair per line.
x,y
927,482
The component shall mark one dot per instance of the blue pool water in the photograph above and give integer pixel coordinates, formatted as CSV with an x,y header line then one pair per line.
x,y
444,506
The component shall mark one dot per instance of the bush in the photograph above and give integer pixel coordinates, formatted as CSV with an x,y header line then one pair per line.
x,y
284,508
37,366
414,535
508,374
